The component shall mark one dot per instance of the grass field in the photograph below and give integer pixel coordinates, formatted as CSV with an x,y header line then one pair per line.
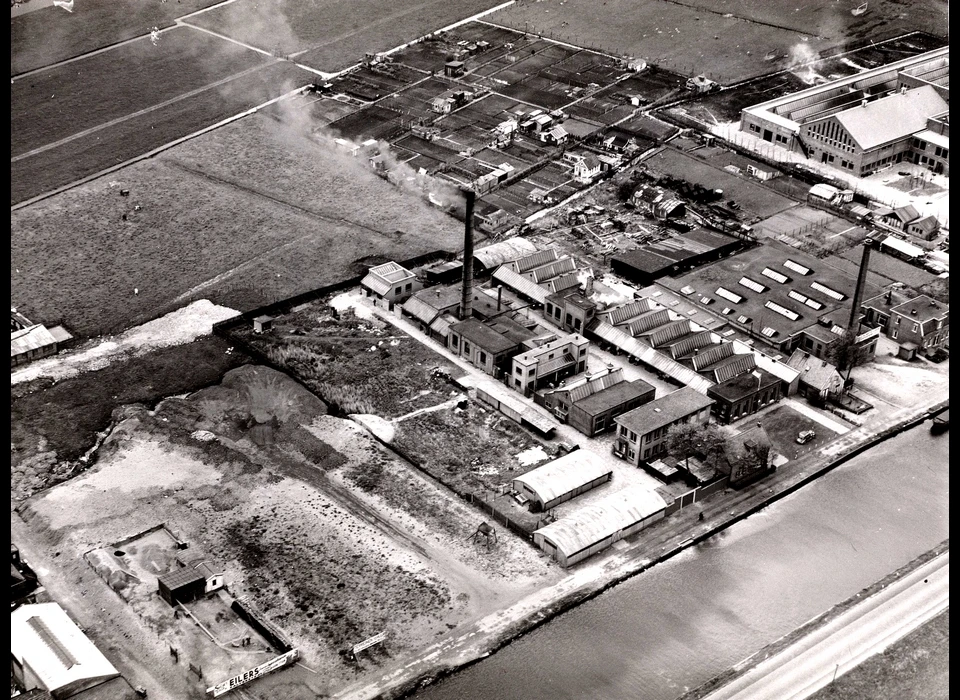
x,y
53,424
676,36
66,100
752,197
244,214
50,35
917,666
331,36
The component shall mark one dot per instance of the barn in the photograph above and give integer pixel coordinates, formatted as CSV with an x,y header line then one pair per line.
x,y
598,526
562,479
182,585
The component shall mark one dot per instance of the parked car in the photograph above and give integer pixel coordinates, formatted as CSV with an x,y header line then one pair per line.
x,y
806,436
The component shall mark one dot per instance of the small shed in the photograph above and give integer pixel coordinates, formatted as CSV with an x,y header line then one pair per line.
x,y
262,324
181,585
562,479
214,576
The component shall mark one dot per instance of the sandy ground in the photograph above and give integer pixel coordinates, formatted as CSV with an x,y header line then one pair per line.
x,y
181,326
291,512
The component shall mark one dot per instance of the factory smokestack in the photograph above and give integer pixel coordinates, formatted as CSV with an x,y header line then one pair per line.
x,y
466,299
861,283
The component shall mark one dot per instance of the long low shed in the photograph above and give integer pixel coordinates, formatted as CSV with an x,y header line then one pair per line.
x,y
594,528
562,479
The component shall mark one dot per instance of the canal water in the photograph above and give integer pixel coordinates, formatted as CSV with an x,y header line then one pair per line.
x,y
682,622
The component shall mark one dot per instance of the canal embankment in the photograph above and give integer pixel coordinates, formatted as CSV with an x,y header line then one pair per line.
x,y
647,549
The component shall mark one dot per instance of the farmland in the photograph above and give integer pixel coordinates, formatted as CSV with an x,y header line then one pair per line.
x,y
49,35
253,197
399,541
752,197
120,141
676,36
331,36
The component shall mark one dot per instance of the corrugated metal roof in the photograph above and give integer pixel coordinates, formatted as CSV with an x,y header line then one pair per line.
x,y
631,310
520,284
553,269
548,366
648,355
563,475
180,577
47,640
648,321
31,338
891,118
604,518
441,326
504,251
563,282
420,310
537,259
712,355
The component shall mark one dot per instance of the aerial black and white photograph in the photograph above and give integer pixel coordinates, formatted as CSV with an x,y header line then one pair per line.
x,y
479,349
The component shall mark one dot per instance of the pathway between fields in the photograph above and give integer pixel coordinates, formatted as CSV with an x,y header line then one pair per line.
x,y
147,110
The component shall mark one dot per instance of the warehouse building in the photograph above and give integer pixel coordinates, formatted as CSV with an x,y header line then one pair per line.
x,y
489,258
863,122
50,653
562,479
489,345
590,404
596,527
673,255
535,277
777,295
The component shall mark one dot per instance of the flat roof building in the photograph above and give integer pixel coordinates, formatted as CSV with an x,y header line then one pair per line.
x,y
564,478
389,282
596,527
673,255
641,433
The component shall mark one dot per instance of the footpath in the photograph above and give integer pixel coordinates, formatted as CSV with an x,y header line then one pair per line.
x,y
479,638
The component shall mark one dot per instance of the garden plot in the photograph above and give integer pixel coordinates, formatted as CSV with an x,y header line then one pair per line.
x,y
309,516
331,36
683,38
752,197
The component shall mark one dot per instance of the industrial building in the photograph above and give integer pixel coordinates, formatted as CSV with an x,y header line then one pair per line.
x,y
389,282
745,393
489,345
778,296
641,433
562,479
570,310
673,255
819,380
596,527
489,258
549,363
863,122
50,653
591,404
537,276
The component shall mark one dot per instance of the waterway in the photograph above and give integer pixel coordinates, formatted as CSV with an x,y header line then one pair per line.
x,y
682,622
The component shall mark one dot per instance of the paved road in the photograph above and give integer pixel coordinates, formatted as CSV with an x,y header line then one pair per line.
x,y
866,629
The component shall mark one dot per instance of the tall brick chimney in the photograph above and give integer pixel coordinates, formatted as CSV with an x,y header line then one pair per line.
x,y
466,298
861,283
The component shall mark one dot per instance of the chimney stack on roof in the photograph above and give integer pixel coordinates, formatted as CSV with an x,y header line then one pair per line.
x,y
863,102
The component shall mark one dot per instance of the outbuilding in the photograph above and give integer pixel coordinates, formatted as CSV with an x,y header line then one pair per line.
x,y
596,527
562,479
181,585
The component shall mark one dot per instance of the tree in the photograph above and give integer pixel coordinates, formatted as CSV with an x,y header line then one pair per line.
x,y
625,190
847,354
694,440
